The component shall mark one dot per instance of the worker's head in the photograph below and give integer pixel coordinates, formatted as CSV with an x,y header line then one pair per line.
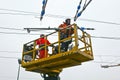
x,y
68,21
42,36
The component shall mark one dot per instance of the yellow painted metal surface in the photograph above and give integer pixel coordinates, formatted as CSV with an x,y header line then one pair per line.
x,y
56,62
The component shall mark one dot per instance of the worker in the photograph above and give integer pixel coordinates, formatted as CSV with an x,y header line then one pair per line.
x,y
42,41
66,30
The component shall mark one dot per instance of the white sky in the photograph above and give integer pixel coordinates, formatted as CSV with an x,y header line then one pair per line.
x,y
100,10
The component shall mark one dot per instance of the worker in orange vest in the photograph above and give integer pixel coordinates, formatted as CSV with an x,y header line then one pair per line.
x,y
66,30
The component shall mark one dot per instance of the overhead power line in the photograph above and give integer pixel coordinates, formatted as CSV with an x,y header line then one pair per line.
x,y
102,62
9,57
15,33
116,56
108,55
4,57
11,10
10,52
12,28
107,66
115,38
20,14
51,15
106,22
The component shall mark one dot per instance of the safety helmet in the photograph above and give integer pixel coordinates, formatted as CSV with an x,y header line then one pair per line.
x,y
67,21
42,35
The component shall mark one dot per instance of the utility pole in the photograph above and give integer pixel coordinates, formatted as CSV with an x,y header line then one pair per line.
x,y
19,62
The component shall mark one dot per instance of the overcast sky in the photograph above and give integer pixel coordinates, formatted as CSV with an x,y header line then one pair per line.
x,y
103,15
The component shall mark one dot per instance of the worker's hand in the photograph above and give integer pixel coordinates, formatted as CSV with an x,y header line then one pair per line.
x,y
52,45
56,29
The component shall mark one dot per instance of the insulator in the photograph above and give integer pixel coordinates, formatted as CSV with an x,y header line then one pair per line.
x,y
74,18
82,28
78,7
43,2
79,14
42,12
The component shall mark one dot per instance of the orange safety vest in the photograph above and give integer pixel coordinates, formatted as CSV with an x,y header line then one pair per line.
x,y
66,29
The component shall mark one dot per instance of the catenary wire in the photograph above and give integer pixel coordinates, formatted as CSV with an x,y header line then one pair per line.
x,y
20,14
18,11
15,33
115,38
10,52
12,28
4,57
94,55
51,15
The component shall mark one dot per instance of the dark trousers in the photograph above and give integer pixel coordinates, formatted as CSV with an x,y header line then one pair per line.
x,y
65,44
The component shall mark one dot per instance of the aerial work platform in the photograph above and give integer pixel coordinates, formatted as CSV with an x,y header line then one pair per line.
x,y
79,52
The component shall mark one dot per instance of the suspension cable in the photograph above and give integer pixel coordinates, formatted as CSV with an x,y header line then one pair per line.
x,y
43,9
78,8
78,14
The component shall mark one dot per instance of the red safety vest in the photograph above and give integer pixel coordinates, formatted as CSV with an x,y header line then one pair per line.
x,y
42,41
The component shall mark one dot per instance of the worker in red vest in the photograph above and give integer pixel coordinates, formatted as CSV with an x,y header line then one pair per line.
x,y
42,41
